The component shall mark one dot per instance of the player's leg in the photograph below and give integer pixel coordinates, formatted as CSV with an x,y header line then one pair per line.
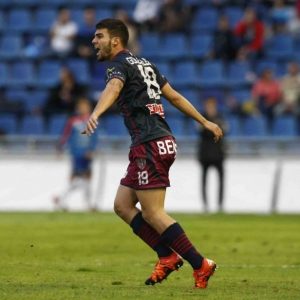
x,y
152,203
220,170
125,208
204,185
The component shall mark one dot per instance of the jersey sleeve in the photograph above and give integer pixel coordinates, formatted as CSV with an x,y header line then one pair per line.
x,y
115,70
161,79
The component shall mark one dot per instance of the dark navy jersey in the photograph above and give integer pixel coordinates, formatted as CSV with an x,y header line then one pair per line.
x,y
140,99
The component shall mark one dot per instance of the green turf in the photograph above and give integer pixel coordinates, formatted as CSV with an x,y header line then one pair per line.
x,y
95,256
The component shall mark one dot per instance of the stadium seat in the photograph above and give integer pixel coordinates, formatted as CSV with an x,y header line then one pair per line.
x,y
173,46
8,124
238,75
16,95
205,19
234,14
80,68
280,47
164,69
43,19
36,100
267,64
32,125
10,46
54,3
48,73
169,109
27,3
114,126
57,124
177,125
255,126
241,96
185,75
103,14
2,21
285,126
211,74
200,45
21,74
234,126
3,74
19,20
150,45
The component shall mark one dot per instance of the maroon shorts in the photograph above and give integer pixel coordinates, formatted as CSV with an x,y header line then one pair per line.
x,y
150,163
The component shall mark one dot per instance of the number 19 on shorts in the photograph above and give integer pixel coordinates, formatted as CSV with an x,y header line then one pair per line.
x,y
143,177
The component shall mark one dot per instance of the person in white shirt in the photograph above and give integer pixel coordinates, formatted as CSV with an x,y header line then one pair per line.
x,y
63,32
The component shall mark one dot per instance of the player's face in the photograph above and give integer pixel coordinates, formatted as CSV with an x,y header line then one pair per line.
x,y
102,44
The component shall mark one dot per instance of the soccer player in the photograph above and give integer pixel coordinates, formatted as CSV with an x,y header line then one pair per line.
x,y
82,151
136,85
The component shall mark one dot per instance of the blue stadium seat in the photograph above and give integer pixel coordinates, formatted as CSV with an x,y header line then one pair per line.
x,y
267,64
234,14
177,125
48,73
3,74
19,20
10,46
164,69
16,95
211,74
169,109
54,3
43,19
285,126
80,68
173,46
200,45
104,13
234,126
205,19
2,21
23,3
114,126
185,74
241,96
5,3
36,100
280,47
255,126
8,123
21,74
150,45
57,124
238,74
32,125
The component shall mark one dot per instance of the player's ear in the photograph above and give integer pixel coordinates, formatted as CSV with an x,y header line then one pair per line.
x,y
115,41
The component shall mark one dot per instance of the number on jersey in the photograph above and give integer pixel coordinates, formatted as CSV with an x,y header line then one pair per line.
x,y
153,88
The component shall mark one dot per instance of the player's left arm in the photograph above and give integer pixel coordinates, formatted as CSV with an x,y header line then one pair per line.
x,y
180,102
108,97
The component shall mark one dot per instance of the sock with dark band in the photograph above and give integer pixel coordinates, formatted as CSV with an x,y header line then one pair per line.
x,y
142,229
175,237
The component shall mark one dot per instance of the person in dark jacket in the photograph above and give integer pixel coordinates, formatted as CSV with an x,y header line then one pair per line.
x,y
211,154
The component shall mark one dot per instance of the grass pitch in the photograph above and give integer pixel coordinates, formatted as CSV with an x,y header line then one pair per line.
x,y
95,256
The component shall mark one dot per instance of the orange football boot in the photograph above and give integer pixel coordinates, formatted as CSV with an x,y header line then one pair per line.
x,y
202,275
164,267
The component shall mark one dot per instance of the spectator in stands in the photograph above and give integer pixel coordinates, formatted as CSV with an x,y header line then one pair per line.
x,y
250,34
280,15
290,85
224,41
146,12
133,43
173,16
63,33
62,97
211,154
294,22
267,94
84,47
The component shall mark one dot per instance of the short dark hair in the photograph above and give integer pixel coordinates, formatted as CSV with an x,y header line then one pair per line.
x,y
115,28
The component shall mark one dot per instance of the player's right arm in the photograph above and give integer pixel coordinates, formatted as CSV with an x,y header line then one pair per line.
x,y
187,108
108,97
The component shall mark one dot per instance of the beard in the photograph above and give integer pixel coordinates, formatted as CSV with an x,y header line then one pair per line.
x,y
105,53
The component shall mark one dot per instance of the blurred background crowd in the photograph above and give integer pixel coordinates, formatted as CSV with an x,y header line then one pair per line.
x,y
244,54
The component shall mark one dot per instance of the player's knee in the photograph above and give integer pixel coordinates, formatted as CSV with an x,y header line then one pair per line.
x,y
119,210
149,216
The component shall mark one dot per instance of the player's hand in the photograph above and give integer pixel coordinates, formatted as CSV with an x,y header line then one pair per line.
x,y
91,125
215,129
